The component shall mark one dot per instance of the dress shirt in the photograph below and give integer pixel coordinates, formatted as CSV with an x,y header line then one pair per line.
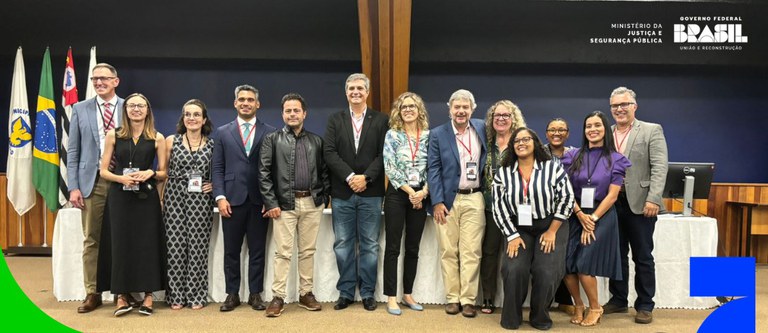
x,y
101,118
471,140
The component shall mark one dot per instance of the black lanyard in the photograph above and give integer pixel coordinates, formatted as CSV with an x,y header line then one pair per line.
x,y
195,160
589,173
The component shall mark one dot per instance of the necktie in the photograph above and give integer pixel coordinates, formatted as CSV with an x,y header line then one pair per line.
x,y
108,115
246,137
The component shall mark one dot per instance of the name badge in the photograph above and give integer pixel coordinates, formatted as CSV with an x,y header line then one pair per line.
x,y
413,177
587,197
471,170
195,184
524,215
134,187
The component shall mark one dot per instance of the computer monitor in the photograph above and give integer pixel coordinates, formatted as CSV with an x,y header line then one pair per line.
x,y
690,180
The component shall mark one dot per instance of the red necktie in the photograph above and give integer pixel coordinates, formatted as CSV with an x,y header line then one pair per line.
x,y
108,126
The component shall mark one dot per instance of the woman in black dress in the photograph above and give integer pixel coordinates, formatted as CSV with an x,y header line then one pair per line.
x,y
188,207
136,233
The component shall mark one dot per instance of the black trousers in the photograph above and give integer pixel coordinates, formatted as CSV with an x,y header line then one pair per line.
x,y
398,215
543,270
489,264
635,231
246,221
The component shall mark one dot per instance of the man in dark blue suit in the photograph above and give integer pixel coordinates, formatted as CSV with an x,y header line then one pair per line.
x,y
235,186
455,160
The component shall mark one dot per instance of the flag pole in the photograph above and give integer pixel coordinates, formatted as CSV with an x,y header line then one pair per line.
x,y
21,244
45,228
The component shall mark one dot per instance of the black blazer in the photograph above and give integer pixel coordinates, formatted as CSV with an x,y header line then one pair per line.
x,y
342,160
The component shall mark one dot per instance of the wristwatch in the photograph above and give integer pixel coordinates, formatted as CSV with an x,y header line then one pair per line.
x,y
593,217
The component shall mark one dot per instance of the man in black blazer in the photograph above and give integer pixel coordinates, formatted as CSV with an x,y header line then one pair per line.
x,y
236,189
354,141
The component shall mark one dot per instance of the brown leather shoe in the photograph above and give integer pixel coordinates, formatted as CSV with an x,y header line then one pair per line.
x,y
309,302
452,308
644,317
91,302
468,310
275,308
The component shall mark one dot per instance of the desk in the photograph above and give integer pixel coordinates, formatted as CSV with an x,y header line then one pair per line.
x,y
745,224
676,240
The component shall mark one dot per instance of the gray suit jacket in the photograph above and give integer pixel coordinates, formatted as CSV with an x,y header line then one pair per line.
x,y
83,148
647,150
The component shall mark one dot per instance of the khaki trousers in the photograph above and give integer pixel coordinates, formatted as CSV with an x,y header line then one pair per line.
x,y
461,240
305,218
92,216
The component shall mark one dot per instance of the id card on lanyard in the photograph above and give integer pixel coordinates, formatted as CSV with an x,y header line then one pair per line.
x,y
413,174
524,209
470,166
588,191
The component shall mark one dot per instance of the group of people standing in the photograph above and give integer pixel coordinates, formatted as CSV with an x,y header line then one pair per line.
x,y
557,215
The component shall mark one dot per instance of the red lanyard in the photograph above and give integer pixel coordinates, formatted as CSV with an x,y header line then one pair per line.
x,y
414,152
616,138
468,149
245,140
525,182
357,130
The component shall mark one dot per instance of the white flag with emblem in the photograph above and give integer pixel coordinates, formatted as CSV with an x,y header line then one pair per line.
x,y
21,191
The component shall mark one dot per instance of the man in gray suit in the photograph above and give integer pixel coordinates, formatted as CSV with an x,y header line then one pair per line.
x,y
91,120
638,204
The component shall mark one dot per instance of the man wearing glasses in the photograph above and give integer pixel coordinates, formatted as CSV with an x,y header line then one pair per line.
x,y
91,120
455,163
638,204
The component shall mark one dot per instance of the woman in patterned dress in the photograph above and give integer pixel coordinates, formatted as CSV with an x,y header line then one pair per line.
x,y
405,163
188,207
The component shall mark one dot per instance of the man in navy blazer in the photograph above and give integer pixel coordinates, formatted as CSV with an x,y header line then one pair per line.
x,y
456,159
91,120
354,144
236,189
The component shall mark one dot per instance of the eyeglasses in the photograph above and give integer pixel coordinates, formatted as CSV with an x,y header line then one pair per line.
x,y
136,106
523,141
622,106
502,116
193,115
102,78
407,107
557,130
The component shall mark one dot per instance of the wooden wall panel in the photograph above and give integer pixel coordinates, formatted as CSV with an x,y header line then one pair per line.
x,y
730,218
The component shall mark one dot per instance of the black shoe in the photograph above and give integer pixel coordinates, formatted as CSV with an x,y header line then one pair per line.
x,y
254,300
123,310
232,301
145,310
609,308
369,303
342,303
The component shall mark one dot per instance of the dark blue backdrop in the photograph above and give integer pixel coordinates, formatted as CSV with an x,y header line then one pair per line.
x,y
708,116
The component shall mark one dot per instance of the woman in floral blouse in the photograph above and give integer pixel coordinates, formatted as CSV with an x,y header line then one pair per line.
x,y
405,163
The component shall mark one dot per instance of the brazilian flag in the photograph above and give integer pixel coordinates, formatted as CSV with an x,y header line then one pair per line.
x,y
45,164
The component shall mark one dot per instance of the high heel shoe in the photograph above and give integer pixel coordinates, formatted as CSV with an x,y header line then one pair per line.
x,y
593,317
578,315
488,306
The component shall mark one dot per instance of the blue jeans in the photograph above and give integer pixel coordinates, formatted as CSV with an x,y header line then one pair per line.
x,y
356,220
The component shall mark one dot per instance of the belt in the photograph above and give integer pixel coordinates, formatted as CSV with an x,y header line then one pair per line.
x,y
302,194
468,191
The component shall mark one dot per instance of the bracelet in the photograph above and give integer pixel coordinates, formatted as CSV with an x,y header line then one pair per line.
x,y
577,213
